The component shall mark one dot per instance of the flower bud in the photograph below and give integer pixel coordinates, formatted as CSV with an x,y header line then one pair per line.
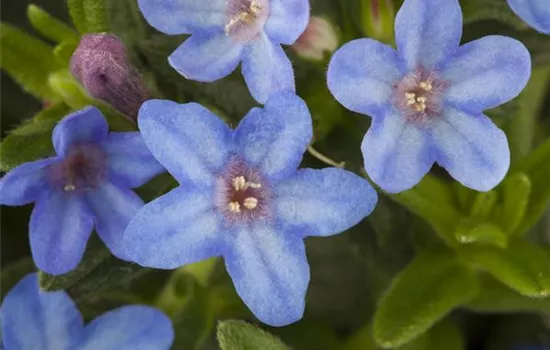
x,y
377,19
318,38
100,63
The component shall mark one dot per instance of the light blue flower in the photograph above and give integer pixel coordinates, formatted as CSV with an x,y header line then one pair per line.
x,y
243,198
226,32
36,320
535,12
427,98
86,184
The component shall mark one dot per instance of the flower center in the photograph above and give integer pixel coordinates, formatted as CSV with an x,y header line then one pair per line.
x,y
418,95
241,193
246,18
84,168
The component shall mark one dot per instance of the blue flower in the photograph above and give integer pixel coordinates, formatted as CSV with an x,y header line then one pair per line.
x,y
32,320
224,32
427,98
535,12
242,197
85,185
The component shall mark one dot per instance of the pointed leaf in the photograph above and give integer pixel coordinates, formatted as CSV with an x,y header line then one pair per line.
x,y
32,140
96,16
49,26
28,61
516,191
78,16
239,335
422,294
483,205
523,266
471,231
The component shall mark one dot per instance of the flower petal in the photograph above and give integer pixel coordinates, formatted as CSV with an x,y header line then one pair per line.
x,y
275,138
361,73
189,140
133,327
287,20
113,208
270,272
130,162
175,229
535,12
207,56
184,16
60,226
428,31
85,126
23,184
324,202
33,320
472,149
486,73
397,154
266,69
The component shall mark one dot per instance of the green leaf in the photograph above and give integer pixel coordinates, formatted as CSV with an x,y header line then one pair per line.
x,y
422,294
516,190
32,140
361,339
64,52
477,10
78,16
98,271
445,335
523,266
239,335
28,61
49,26
432,199
89,16
483,205
497,297
471,231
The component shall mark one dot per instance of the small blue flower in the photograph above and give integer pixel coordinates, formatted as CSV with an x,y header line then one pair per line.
x,y
427,98
224,32
242,197
536,13
32,320
85,185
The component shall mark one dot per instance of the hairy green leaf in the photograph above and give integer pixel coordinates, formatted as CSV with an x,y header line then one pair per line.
x,y
78,16
422,294
516,190
96,15
49,26
239,335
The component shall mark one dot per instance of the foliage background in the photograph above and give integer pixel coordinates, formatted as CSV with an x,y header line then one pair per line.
x,y
351,271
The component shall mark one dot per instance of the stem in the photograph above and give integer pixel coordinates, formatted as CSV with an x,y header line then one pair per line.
x,y
324,158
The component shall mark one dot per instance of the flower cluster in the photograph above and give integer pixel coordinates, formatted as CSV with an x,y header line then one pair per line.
x,y
241,194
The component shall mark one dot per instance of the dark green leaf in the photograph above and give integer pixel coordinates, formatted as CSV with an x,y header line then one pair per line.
x,y
49,26
78,16
32,140
239,335
13,273
422,294
28,61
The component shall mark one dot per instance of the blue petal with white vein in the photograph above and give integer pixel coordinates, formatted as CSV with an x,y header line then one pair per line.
x,y
243,198
226,32
32,319
427,97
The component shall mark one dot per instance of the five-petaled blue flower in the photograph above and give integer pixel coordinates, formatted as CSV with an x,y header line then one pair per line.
x,y
86,184
224,32
242,197
536,13
427,98
36,320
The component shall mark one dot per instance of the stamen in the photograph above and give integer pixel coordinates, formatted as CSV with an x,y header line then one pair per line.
x,y
69,188
426,85
250,203
239,183
246,16
254,185
234,207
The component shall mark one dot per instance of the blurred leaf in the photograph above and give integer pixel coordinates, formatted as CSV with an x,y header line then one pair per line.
x,y
471,231
89,16
239,335
497,297
523,266
13,273
515,192
28,61
32,140
483,205
423,293
445,335
64,51
361,339
477,10
308,335
432,199
49,26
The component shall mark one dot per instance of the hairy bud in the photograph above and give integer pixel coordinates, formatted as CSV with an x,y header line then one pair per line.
x,y
318,38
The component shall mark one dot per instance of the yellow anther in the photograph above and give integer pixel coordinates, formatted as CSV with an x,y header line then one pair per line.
x,y
426,85
239,183
250,203
254,185
69,188
234,207
246,16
